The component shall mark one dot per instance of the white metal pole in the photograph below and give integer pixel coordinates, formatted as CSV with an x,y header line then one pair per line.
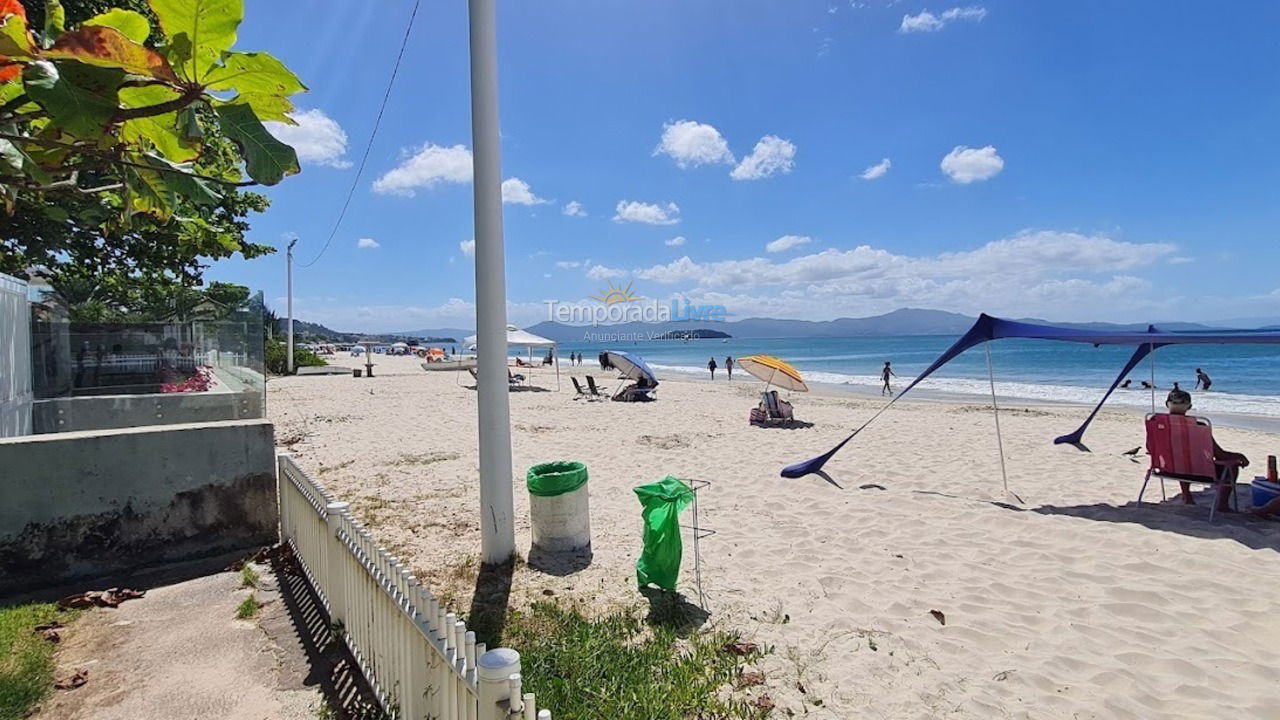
x,y
497,524
289,294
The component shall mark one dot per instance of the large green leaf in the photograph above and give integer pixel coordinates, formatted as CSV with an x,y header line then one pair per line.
x,y
164,132
253,73
55,20
80,99
108,47
131,24
268,108
15,41
181,179
267,159
199,32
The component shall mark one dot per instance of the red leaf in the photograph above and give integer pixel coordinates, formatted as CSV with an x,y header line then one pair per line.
x,y
12,7
108,47
7,8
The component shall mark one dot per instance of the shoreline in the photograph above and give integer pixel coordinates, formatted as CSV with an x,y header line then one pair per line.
x,y
1240,421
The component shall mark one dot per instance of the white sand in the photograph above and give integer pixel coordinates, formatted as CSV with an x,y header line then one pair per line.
x,y
1076,604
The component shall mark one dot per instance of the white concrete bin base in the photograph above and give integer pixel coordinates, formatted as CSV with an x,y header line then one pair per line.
x,y
561,523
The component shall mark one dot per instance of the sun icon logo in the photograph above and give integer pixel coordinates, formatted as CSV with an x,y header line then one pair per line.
x,y
616,295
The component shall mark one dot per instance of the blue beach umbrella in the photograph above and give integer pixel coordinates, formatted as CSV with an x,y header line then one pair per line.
x,y
632,366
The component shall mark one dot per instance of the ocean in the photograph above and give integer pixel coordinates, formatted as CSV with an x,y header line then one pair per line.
x,y
1246,378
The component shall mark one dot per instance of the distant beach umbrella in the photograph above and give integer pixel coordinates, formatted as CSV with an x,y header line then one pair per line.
x,y
773,372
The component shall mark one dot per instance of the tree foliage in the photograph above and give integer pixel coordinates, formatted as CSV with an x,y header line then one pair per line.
x,y
127,128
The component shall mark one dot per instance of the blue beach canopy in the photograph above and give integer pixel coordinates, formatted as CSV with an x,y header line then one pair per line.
x,y
632,366
989,328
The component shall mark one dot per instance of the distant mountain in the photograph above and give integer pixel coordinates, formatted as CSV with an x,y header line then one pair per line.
x,y
906,321
315,332
699,334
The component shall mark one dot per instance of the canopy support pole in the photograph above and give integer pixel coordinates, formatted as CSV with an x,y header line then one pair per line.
x,y
995,410
1153,377
555,355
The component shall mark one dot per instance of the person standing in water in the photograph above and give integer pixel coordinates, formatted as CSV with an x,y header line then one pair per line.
x,y
1202,380
728,365
885,374
711,365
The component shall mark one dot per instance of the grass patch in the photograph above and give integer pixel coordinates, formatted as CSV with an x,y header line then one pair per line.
x,y
621,668
26,658
249,577
248,607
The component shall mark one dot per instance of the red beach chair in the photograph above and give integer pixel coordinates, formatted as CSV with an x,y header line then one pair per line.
x,y
1181,449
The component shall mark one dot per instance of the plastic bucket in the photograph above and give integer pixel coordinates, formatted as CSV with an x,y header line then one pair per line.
x,y
559,512
1264,492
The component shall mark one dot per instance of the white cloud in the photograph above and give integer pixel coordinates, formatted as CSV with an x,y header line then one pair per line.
x,y
772,154
965,164
367,244
573,208
676,241
428,166
786,242
877,171
317,138
517,192
600,272
1045,273
568,264
652,214
692,143
468,247
1181,260
928,22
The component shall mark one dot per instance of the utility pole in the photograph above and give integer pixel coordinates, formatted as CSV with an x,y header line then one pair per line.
x,y
289,294
497,522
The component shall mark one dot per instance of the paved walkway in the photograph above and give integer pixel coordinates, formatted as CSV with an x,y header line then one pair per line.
x,y
179,653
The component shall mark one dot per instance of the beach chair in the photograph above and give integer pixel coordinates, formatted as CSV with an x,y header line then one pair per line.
x,y
775,408
595,391
581,393
631,393
515,380
1181,449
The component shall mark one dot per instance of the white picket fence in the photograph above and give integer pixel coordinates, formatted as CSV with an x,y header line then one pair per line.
x,y
420,660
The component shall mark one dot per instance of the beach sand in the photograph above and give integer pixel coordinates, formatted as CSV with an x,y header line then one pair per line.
x,y
1074,603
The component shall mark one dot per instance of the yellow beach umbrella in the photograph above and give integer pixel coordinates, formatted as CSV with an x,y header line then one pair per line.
x,y
774,372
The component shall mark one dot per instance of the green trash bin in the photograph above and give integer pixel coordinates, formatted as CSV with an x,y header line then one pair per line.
x,y
559,512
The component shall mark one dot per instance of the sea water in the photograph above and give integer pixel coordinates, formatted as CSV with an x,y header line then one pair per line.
x,y
1246,378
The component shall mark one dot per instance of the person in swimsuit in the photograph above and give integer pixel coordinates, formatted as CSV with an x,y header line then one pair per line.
x,y
711,365
885,374
728,365
1202,380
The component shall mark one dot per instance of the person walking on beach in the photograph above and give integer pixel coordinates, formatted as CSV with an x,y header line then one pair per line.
x,y
711,365
728,365
1202,380
885,374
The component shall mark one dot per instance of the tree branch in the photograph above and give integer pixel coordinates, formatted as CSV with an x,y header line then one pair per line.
x,y
188,97
109,158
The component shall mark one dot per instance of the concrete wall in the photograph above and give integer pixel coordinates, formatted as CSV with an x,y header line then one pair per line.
x,y
88,504
103,412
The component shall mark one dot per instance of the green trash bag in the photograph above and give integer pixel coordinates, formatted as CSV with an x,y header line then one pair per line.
x,y
555,478
659,562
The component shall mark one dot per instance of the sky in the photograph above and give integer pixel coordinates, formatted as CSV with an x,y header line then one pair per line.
x,y
1084,160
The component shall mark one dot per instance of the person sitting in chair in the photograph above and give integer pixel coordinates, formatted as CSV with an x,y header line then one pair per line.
x,y
1179,402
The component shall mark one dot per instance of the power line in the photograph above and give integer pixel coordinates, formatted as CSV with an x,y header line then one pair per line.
x,y
355,182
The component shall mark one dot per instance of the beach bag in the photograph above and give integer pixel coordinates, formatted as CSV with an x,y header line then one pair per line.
x,y
659,562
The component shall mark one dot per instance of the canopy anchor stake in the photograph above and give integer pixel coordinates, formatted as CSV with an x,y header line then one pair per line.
x,y
995,411
1153,377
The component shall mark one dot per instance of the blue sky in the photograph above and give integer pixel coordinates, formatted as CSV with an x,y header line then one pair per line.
x,y
1081,160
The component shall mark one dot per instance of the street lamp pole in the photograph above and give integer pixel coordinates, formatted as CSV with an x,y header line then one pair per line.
x,y
497,524
289,294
